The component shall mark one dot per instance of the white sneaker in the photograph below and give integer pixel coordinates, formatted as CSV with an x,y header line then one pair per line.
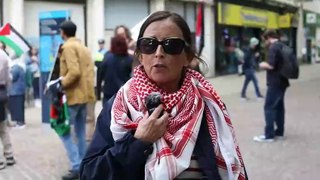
x,y
37,103
262,138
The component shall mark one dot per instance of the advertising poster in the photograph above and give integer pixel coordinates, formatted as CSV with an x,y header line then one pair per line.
x,y
50,40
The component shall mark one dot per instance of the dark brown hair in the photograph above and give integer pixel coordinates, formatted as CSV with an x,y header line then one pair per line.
x,y
126,30
119,46
180,22
270,33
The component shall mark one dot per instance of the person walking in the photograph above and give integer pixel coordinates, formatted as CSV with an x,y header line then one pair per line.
x,y
249,66
5,81
274,109
76,79
32,62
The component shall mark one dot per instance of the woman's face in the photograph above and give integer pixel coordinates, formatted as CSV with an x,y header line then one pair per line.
x,y
121,32
164,69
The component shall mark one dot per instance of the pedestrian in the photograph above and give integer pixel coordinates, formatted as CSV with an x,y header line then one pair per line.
x,y
189,127
249,68
116,67
5,81
17,92
97,62
274,110
32,62
76,78
124,31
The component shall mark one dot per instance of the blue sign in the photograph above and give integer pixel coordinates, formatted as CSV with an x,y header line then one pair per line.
x,y
50,37
50,40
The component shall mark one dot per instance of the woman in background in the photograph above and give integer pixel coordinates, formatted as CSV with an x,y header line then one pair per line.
x,y
116,67
32,62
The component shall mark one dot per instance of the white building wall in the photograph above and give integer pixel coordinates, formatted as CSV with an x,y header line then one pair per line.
x,y
13,12
208,52
95,23
32,10
157,5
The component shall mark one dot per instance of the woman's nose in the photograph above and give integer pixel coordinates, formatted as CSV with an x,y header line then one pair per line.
x,y
159,52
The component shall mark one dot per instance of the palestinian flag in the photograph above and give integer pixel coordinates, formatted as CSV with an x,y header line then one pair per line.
x,y
59,116
200,28
13,39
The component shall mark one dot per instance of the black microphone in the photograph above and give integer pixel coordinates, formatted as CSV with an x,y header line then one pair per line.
x,y
153,100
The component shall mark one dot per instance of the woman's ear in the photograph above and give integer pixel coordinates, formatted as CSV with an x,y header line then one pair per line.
x,y
139,57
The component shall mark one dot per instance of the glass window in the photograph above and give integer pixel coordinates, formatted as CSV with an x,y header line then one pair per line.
x,y
126,12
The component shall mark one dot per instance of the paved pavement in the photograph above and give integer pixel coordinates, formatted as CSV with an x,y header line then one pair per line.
x,y
40,154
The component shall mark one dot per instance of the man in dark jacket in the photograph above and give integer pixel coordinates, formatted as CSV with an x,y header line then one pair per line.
x,y
250,59
276,86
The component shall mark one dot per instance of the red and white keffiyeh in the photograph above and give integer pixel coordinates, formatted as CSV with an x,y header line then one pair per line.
x,y
172,153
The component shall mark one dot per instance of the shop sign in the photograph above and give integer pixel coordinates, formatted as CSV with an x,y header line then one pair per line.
x,y
252,17
311,19
284,21
231,14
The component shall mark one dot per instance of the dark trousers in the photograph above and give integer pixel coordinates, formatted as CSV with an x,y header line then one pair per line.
x,y
16,108
36,88
274,111
2,110
99,80
250,76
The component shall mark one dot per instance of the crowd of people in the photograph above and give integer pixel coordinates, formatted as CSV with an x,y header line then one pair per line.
x,y
128,140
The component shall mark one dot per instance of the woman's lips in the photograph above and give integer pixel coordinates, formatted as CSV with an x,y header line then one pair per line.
x,y
159,66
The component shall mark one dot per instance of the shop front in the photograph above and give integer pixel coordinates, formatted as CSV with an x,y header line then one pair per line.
x,y
236,24
311,21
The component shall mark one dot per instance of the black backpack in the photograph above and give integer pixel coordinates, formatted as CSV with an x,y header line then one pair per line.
x,y
289,67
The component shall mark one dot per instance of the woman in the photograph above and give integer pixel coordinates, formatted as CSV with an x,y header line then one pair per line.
x,y
116,67
188,136
17,92
123,31
32,62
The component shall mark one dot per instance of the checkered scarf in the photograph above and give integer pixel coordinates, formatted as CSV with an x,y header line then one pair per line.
x,y
172,153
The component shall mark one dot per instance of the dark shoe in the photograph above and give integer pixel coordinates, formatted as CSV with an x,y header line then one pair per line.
x,y
2,165
10,161
72,175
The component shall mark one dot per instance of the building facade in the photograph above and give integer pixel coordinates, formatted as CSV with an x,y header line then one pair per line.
x,y
226,22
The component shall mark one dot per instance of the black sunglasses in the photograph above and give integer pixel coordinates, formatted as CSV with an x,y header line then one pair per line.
x,y
172,45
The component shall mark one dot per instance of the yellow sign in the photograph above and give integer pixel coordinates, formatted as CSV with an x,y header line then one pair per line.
x,y
253,18
284,21
231,14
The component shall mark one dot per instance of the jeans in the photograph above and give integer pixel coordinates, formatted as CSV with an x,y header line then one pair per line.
x,y
16,108
75,142
250,76
274,111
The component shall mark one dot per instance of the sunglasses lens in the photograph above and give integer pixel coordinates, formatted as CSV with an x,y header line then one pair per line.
x,y
147,45
173,46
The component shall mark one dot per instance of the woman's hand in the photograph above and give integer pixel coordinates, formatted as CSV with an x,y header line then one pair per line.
x,y
152,128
